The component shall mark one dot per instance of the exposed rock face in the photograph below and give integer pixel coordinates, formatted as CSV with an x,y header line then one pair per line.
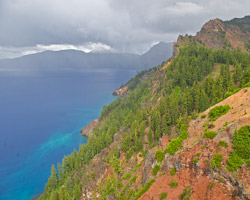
x,y
199,176
147,167
218,34
121,92
88,130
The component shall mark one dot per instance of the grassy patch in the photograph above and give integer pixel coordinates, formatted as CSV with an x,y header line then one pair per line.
x,y
195,160
173,172
155,169
163,195
173,184
175,143
211,185
126,176
159,155
218,111
241,145
223,143
144,189
209,134
203,116
185,195
216,161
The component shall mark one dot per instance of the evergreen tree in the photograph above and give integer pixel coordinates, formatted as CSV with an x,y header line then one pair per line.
x,y
60,172
53,179
150,136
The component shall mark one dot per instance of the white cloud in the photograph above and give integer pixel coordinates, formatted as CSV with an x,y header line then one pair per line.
x,y
128,26
12,52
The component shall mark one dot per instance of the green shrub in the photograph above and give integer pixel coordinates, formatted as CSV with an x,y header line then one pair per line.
x,y
175,143
209,134
241,145
137,167
241,142
211,185
173,184
198,154
126,176
248,162
216,161
159,155
234,161
173,171
163,195
221,180
247,85
223,143
203,116
195,160
133,179
218,111
228,94
185,195
129,194
144,189
155,169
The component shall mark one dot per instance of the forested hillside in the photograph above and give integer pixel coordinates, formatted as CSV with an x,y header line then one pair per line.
x,y
139,135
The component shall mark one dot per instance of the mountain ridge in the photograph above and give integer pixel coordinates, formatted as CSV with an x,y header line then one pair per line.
x,y
181,131
218,34
75,59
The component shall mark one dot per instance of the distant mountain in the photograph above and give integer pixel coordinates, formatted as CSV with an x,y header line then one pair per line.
x,y
156,55
218,34
78,60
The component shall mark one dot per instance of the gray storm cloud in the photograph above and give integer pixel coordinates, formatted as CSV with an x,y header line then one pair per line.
x,y
130,26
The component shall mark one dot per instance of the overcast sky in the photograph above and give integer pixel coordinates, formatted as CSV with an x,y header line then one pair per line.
x,y
28,26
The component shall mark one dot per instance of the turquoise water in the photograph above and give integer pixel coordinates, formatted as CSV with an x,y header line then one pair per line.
x,y
41,117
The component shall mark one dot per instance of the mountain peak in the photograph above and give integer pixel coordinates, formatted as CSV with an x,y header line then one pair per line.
x,y
218,34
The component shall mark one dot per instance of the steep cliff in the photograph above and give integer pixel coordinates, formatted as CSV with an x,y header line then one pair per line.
x,y
181,131
218,34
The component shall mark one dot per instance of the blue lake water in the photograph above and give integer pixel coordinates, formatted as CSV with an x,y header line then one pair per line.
x,y
41,116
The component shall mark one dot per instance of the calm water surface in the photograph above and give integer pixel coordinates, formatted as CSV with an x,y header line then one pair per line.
x,y
41,116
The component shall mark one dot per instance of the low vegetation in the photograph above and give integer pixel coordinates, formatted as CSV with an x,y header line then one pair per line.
x,y
186,194
173,172
159,155
155,169
144,189
216,161
209,134
241,145
203,116
195,160
163,195
175,143
223,143
218,111
173,184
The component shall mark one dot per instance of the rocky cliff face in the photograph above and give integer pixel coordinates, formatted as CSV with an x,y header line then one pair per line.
x,y
206,183
190,167
194,177
152,144
218,34
89,129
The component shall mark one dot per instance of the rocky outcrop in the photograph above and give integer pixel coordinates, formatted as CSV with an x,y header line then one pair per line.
x,y
88,130
121,92
218,34
147,167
